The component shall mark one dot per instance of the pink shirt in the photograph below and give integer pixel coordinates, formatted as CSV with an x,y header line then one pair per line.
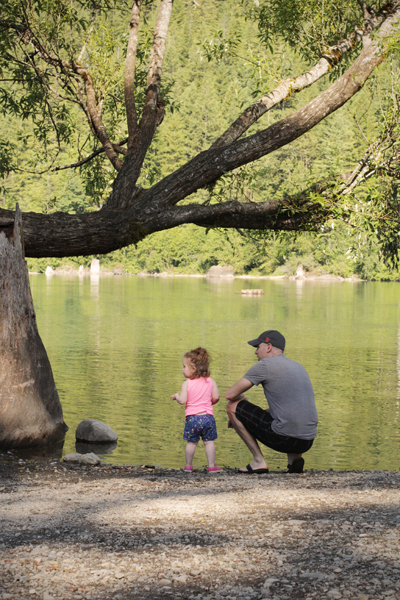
x,y
199,394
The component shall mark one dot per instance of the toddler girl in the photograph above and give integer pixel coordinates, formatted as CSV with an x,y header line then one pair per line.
x,y
199,392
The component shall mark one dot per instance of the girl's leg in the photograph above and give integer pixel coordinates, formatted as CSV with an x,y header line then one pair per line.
x,y
189,452
210,453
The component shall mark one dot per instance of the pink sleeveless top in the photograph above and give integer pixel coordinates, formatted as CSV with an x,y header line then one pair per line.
x,y
199,393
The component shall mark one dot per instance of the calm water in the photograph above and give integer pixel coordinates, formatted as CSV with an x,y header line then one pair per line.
x,y
116,344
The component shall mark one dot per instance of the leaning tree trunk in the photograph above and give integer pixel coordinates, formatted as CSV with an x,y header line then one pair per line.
x,y
30,409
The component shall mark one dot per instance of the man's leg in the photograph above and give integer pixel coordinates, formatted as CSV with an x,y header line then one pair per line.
x,y
291,457
295,463
251,443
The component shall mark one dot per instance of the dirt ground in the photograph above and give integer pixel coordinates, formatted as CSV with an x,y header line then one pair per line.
x,y
112,532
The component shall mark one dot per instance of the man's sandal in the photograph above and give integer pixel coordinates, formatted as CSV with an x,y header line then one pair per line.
x,y
251,471
296,466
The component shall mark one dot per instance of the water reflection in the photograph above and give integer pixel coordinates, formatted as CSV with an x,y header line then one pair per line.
x,y
85,448
116,346
43,453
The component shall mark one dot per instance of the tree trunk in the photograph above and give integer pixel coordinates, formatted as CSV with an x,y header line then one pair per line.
x,y
30,409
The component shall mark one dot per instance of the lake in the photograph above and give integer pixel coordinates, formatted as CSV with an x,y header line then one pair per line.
x,y
116,343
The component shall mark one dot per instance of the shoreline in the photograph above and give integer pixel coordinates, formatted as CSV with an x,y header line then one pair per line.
x,y
73,532
326,277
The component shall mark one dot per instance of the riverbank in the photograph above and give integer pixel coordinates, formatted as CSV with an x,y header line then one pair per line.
x,y
73,272
125,532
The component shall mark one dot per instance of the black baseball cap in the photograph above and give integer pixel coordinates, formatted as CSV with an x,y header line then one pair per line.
x,y
269,337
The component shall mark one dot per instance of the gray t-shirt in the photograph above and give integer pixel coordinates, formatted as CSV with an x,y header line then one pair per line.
x,y
290,396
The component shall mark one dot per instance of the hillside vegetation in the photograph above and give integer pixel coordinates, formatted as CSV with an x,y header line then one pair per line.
x,y
191,125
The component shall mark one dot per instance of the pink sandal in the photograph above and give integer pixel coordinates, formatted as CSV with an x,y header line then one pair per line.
x,y
188,468
214,469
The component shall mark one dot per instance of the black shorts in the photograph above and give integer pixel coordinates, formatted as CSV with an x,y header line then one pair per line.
x,y
258,423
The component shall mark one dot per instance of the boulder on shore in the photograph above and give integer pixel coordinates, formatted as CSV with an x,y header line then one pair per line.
x,y
93,431
220,271
82,459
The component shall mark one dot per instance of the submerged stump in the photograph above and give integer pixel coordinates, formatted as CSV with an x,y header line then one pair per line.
x,y
30,409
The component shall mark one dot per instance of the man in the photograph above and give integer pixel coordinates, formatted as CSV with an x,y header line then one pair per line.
x,y
290,423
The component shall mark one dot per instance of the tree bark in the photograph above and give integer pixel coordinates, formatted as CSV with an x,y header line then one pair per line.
x,y
30,409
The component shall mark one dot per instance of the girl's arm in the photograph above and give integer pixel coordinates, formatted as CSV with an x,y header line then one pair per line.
x,y
214,393
181,398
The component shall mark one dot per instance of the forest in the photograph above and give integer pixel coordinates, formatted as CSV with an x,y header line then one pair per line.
x,y
218,59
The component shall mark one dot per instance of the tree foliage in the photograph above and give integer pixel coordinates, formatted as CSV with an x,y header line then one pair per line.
x,y
93,93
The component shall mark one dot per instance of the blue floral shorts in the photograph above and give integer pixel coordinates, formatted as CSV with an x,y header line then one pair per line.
x,y
200,426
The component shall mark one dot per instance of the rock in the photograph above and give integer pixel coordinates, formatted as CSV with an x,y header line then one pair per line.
x,y
165,582
313,575
47,596
336,594
90,459
300,272
252,292
83,459
220,271
95,267
86,447
270,581
72,458
91,431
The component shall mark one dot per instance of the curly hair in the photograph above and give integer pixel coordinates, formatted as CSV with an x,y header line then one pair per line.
x,y
199,360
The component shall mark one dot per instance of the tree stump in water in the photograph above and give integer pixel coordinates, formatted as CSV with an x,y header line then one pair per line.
x,y
30,409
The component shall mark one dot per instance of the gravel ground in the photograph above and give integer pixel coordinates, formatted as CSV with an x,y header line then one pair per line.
x,y
108,532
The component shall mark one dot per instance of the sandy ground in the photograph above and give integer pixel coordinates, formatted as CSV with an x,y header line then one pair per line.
x,y
75,532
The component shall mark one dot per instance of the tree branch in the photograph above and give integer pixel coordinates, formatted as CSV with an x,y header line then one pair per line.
x,y
124,190
208,166
285,89
331,57
151,105
96,119
129,83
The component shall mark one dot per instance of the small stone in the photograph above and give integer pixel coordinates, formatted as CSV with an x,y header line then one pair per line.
x,y
270,581
195,572
165,582
336,594
73,457
47,596
90,459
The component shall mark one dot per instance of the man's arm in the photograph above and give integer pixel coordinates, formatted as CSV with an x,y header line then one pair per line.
x,y
234,393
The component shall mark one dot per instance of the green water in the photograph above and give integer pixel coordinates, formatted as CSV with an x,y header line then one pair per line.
x,y
116,344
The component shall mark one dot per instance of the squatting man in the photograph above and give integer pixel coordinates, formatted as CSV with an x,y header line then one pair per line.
x,y
290,423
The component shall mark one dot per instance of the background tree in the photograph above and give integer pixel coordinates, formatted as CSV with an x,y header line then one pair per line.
x,y
64,62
